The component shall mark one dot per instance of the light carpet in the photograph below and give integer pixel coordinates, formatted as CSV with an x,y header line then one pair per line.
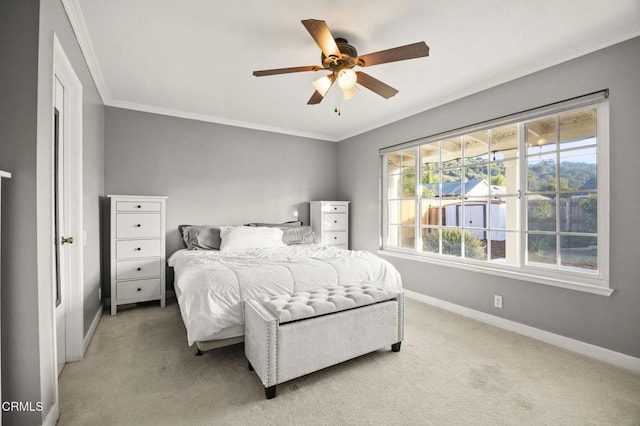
x,y
138,370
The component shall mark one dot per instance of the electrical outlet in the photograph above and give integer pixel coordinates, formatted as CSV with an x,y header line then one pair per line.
x,y
497,301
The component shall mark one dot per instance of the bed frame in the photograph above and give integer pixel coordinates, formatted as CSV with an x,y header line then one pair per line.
x,y
209,345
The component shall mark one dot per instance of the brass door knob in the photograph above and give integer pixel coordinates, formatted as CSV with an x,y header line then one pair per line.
x,y
67,240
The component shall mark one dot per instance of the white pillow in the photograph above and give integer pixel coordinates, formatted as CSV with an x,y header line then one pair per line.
x,y
249,237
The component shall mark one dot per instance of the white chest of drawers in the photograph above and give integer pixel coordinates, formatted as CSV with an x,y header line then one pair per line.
x,y
137,230
330,222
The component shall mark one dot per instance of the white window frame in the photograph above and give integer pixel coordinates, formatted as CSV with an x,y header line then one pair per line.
x,y
580,281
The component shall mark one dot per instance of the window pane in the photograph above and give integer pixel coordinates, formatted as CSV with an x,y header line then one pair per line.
x,y
407,237
430,154
401,236
451,213
504,142
451,151
476,180
578,169
451,183
541,173
395,212
579,252
394,161
504,247
504,213
476,215
541,213
431,240
394,186
408,212
430,211
504,177
541,249
579,212
541,135
430,180
402,186
476,148
452,242
408,161
578,128
474,247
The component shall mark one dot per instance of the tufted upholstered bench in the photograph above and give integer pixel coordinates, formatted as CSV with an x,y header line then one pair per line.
x,y
292,335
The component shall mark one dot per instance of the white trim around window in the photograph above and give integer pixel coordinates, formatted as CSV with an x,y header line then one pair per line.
x,y
408,192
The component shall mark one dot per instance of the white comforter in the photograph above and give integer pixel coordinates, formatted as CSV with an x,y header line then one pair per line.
x,y
211,286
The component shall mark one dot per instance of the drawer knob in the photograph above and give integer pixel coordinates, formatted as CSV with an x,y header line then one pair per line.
x,y
138,206
335,221
139,269
139,289
138,225
335,238
138,248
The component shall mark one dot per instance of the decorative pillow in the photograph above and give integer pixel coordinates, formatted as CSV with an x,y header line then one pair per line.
x,y
249,237
200,237
298,235
283,225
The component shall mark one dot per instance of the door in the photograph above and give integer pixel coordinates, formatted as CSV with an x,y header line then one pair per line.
x,y
60,228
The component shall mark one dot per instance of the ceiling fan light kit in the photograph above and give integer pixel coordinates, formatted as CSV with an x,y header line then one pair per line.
x,y
339,57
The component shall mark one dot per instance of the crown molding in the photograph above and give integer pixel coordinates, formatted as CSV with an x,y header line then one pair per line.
x,y
79,26
218,120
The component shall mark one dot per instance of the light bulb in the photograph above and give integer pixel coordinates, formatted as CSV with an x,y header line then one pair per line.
x,y
350,92
323,85
347,78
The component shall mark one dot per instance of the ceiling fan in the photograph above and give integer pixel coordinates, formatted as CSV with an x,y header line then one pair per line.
x,y
339,57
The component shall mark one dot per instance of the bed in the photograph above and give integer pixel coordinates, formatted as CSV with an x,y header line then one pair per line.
x,y
213,279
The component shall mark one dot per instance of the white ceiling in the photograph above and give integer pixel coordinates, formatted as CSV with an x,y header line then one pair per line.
x,y
194,58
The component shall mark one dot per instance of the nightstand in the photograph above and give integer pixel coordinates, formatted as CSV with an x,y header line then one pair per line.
x,y
330,222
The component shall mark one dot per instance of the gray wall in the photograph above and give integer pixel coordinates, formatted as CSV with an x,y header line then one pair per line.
x,y
26,28
215,174
610,322
19,293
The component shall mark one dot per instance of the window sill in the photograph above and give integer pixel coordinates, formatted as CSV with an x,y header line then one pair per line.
x,y
600,290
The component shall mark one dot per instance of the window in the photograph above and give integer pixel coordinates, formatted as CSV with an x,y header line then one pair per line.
x,y
520,196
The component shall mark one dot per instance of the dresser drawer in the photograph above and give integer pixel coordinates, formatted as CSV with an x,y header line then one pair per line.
x,y
334,221
142,268
334,238
131,249
334,209
139,289
141,225
138,206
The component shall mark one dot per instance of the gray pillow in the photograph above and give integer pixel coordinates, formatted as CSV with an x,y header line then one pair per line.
x,y
200,237
298,235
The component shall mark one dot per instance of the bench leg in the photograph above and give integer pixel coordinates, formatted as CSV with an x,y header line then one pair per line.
x,y
250,366
396,347
270,392
198,351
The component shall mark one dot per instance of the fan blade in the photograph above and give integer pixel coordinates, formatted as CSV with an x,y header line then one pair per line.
x,y
375,85
410,51
287,70
316,98
321,34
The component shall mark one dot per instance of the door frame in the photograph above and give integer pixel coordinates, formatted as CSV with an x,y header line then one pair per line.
x,y
72,287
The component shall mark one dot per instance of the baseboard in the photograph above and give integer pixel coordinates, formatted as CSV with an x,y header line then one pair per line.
x,y
606,355
92,330
52,416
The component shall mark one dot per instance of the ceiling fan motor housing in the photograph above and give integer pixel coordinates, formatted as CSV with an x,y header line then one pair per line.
x,y
346,59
